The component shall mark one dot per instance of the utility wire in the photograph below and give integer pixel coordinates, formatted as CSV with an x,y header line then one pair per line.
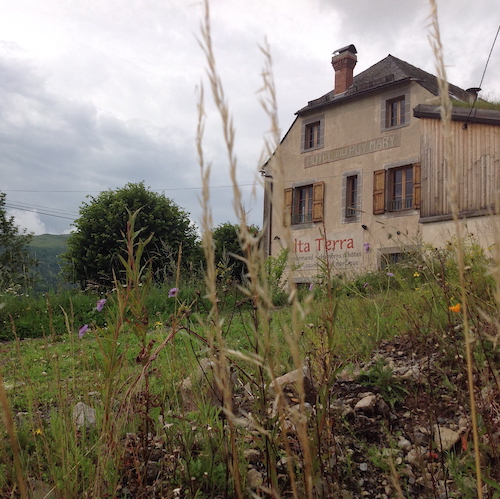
x,y
488,60
21,205
464,126
14,207
155,190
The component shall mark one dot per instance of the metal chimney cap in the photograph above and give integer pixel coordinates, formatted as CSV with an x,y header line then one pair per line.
x,y
348,48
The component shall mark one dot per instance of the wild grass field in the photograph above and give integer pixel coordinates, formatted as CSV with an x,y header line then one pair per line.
x,y
134,407
380,385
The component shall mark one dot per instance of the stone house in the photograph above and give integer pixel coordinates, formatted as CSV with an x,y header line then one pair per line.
x,y
359,179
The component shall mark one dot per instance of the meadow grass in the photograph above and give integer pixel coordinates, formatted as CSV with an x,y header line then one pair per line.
x,y
46,377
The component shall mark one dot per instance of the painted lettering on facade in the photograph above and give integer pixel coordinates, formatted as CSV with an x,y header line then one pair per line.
x,y
353,150
343,251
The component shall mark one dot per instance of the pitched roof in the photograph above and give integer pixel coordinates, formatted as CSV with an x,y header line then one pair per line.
x,y
387,72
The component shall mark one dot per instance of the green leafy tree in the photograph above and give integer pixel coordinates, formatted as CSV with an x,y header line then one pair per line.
x,y
94,247
16,262
228,249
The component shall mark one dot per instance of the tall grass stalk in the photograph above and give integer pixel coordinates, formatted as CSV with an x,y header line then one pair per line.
x,y
257,288
453,193
216,341
14,442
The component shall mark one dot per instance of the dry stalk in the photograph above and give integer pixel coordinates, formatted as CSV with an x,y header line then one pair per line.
x,y
14,442
453,192
216,339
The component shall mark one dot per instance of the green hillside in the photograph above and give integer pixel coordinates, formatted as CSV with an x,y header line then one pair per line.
x,y
47,249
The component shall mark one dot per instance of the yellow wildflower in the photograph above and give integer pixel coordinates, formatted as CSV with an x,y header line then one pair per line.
x,y
416,274
456,308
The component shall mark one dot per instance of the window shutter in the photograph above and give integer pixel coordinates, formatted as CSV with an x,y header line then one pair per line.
x,y
287,212
318,197
378,192
416,186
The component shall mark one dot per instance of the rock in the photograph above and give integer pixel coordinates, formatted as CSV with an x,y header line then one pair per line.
x,y
366,403
252,455
445,438
254,478
421,436
83,416
404,444
415,456
42,490
201,387
288,385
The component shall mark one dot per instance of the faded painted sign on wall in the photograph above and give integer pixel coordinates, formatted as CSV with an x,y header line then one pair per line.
x,y
353,150
342,251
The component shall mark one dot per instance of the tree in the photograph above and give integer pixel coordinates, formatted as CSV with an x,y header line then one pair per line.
x,y
16,262
228,249
94,246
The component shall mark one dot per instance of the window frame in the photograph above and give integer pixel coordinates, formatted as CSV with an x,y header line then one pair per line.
x,y
397,96
313,204
302,209
395,112
311,124
384,194
399,177
351,196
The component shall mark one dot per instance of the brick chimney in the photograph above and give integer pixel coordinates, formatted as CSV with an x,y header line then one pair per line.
x,y
343,62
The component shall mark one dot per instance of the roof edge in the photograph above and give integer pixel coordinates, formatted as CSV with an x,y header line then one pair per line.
x,y
464,114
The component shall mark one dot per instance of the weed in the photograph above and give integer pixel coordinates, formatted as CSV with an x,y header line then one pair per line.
x,y
382,377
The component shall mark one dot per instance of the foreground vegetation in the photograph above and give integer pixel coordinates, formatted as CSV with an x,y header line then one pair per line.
x,y
166,426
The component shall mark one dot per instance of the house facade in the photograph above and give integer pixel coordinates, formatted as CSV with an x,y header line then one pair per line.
x,y
359,179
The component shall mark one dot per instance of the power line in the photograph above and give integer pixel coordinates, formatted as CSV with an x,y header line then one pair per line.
x,y
21,205
155,190
464,126
488,60
14,207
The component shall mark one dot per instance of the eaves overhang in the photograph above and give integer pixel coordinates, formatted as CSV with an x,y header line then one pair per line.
x,y
463,114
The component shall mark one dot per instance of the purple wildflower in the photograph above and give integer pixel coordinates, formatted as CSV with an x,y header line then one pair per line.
x,y
367,247
311,286
173,292
365,285
390,274
100,304
83,330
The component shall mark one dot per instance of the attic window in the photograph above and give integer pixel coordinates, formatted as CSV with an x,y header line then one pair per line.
x,y
395,112
395,109
312,135
313,132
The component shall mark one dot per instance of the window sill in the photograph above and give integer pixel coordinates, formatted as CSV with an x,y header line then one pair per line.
x,y
312,149
400,213
305,225
392,128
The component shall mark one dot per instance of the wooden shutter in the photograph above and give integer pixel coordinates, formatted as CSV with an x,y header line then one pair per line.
x,y
416,186
318,201
378,192
287,212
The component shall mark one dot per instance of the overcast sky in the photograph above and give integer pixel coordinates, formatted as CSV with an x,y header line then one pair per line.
x,y
99,93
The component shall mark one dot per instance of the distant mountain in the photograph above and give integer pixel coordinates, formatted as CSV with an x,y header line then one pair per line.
x,y
47,249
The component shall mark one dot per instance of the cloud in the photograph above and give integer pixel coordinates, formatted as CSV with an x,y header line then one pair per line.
x,y
28,221
94,95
